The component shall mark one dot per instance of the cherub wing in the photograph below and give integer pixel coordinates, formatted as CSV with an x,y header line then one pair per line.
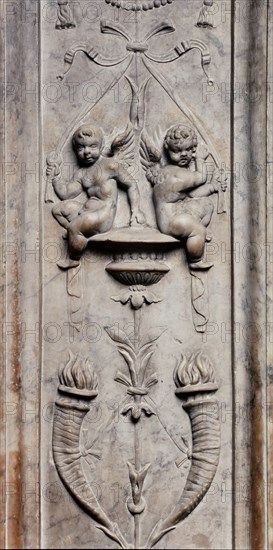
x,y
150,157
149,153
123,146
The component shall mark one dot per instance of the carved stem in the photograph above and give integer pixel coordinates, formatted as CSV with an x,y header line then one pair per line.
x,y
204,418
137,54
137,465
137,323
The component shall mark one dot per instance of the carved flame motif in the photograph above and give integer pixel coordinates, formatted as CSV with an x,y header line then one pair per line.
x,y
78,381
78,377
198,369
194,376
195,379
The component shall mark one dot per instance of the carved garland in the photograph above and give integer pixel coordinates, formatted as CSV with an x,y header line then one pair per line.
x,y
137,5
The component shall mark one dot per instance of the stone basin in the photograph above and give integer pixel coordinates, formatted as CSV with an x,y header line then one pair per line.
x,y
138,254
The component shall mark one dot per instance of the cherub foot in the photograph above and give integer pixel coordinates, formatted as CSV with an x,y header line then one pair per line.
x,y
200,266
208,236
68,263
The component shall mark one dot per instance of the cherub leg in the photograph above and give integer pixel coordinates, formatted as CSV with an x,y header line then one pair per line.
x,y
207,212
206,216
66,211
80,229
186,227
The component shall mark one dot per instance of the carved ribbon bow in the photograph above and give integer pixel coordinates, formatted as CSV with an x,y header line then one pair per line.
x,y
133,47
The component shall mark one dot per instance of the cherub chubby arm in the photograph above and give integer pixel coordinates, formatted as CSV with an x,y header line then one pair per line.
x,y
217,184
62,189
126,181
66,191
201,173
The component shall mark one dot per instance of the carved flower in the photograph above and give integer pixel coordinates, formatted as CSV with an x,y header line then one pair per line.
x,y
137,296
137,478
136,410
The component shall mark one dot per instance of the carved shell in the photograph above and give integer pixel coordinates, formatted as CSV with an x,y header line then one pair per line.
x,y
78,377
137,5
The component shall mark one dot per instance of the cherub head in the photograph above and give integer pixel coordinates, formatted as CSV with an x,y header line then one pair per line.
x,y
88,143
180,144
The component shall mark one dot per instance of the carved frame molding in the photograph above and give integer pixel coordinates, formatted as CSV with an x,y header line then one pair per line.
x,y
21,414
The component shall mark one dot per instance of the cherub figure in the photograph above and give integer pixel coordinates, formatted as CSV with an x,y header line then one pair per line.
x,y
181,189
98,178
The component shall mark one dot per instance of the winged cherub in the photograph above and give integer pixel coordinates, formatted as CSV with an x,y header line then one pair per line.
x,y
99,177
179,178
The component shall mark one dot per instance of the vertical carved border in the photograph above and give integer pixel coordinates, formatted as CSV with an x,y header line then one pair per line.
x,y
2,273
249,292
249,133
269,361
21,313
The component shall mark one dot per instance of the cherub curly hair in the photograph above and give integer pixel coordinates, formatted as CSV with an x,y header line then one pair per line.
x,y
178,134
86,131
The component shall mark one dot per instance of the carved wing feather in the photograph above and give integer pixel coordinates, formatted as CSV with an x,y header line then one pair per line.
x,y
122,147
149,153
150,157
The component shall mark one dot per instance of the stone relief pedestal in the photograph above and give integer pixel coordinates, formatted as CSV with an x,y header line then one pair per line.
x,y
136,283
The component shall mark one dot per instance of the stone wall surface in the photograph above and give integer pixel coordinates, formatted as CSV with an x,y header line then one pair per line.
x,y
136,289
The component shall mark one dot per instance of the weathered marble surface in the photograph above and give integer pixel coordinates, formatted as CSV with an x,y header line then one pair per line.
x,y
89,307
135,382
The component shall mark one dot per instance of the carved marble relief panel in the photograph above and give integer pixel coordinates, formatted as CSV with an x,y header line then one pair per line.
x,y
137,452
